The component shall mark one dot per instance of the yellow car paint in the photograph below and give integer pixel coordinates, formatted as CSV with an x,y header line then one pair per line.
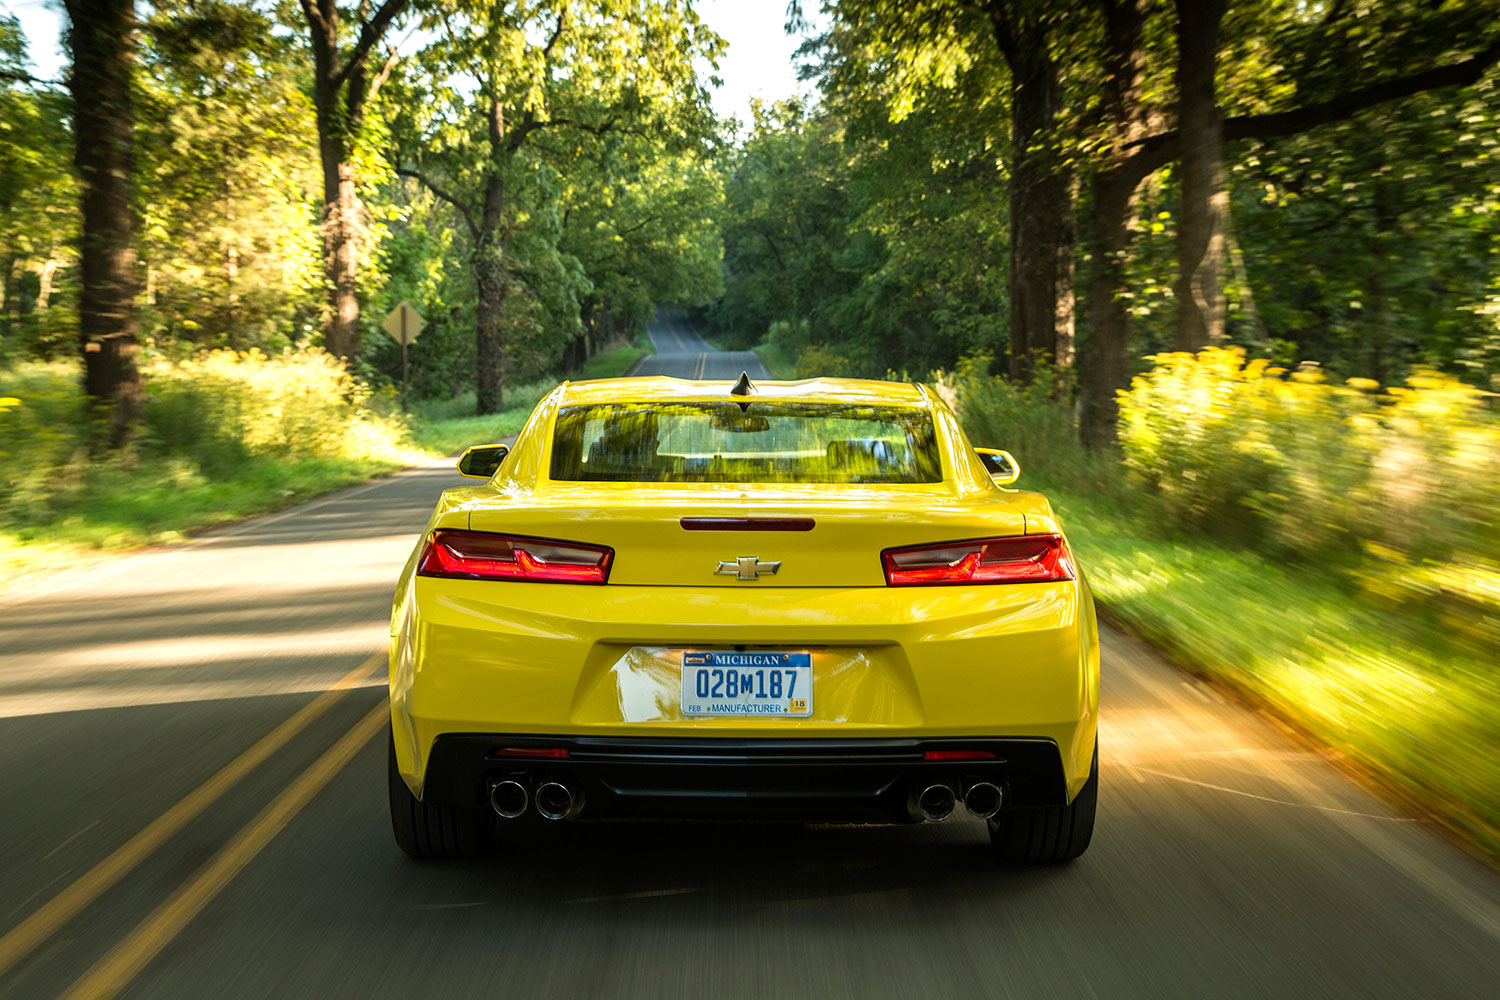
x,y
1019,659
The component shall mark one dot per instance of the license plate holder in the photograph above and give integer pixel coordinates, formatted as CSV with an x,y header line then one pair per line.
x,y
751,684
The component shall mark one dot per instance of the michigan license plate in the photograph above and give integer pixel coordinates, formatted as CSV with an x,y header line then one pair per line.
x,y
732,682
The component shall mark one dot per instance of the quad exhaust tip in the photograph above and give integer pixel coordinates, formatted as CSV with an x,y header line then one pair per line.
x,y
509,799
983,800
936,803
555,800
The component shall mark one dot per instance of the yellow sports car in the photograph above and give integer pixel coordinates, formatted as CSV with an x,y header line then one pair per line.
x,y
807,600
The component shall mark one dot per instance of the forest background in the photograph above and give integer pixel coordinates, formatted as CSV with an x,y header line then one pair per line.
x,y
1224,276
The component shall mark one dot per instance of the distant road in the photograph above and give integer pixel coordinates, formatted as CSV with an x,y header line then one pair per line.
x,y
680,352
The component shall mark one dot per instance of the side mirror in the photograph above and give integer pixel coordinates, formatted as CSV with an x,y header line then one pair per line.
x,y
483,460
1002,465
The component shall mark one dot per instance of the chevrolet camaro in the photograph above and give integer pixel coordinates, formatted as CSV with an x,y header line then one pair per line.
x,y
806,600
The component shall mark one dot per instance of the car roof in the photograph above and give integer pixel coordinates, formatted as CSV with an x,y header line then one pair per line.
x,y
648,388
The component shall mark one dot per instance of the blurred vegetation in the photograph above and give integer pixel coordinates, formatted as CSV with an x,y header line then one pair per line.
x,y
609,207
1330,548
873,223
225,434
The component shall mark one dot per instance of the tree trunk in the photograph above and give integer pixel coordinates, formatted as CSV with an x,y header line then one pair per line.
x,y
1112,190
1107,347
1205,201
102,38
341,228
1041,217
489,339
489,271
342,86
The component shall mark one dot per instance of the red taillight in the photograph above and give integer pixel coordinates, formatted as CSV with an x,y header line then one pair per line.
x,y
547,753
957,755
479,555
1015,559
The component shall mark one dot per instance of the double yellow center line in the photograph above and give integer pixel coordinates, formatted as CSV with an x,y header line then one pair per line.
x,y
112,972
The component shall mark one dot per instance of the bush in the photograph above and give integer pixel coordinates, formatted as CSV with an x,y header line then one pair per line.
x,y
818,360
208,421
223,407
43,432
1036,422
1395,487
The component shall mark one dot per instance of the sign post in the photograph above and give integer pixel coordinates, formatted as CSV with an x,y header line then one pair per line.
x,y
403,324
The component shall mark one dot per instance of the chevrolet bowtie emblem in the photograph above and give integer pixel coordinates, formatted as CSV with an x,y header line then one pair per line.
x,y
748,568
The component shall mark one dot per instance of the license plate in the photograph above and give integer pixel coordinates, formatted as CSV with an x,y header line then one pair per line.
x,y
759,684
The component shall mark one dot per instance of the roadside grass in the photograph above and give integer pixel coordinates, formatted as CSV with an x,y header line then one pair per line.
x,y
226,438
777,363
115,506
1394,693
613,361
450,435
448,426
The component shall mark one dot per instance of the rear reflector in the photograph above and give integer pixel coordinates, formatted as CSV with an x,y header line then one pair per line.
x,y
957,755
548,753
1014,559
480,555
747,523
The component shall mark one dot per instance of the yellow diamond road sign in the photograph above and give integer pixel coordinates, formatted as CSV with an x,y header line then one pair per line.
x,y
403,324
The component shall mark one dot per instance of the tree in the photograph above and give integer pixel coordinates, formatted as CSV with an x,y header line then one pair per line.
x,y
38,208
1204,213
228,178
931,42
343,86
102,40
1122,116
1041,186
643,225
1408,41
548,71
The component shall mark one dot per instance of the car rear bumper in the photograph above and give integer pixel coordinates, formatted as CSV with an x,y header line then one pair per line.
x,y
991,663
822,779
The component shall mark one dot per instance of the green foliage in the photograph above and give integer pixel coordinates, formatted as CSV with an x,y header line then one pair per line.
x,y
1395,487
228,169
1035,421
776,361
452,434
38,211
612,362
820,359
568,143
225,434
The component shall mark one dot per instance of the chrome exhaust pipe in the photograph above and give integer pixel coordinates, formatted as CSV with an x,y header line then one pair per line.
x,y
557,801
936,803
508,798
983,800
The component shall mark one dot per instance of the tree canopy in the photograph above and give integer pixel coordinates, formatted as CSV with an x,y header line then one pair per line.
x,y
1077,183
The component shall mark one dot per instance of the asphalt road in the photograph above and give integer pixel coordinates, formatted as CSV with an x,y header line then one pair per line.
x,y
682,353
192,770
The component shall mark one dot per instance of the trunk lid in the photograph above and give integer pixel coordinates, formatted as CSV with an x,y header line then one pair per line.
x,y
850,525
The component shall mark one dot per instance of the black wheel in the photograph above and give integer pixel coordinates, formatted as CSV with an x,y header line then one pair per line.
x,y
1050,833
434,830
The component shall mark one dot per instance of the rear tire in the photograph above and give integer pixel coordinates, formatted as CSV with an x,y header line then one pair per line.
x,y
1050,833
432,829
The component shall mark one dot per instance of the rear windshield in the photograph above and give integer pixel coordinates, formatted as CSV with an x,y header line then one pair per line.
x,y
756,443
